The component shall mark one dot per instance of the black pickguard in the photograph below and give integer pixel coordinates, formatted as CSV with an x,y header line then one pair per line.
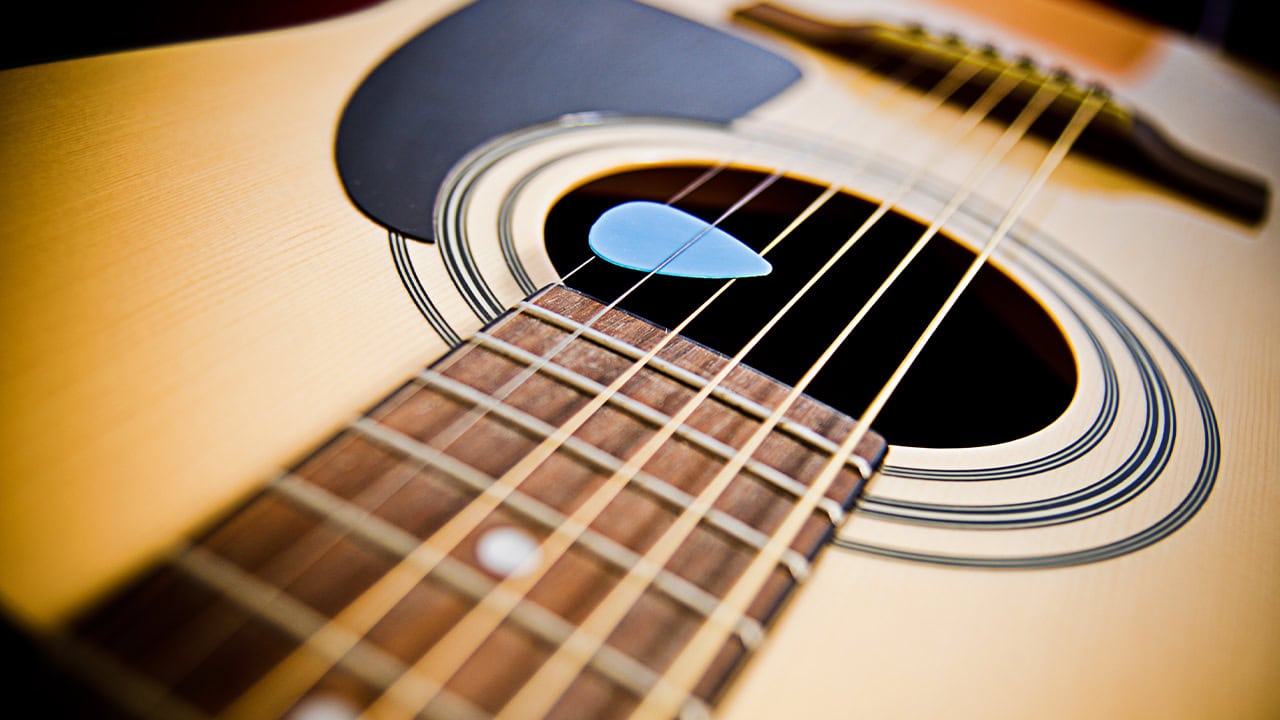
x,y
500,65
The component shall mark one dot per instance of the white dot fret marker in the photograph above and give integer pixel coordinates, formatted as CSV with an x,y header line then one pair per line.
x,y
508,552
324,707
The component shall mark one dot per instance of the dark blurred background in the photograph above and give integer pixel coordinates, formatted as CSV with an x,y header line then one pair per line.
x,y
1241,27
43,31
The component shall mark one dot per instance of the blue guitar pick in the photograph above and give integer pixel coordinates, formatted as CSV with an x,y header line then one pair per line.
x,y
642,235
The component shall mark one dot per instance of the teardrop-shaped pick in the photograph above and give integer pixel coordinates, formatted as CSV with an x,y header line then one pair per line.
x,y
642,235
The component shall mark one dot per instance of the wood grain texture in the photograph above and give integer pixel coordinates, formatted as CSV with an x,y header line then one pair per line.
x,y
174,226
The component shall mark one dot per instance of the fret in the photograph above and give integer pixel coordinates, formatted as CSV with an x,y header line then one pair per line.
x,y
416,497
693,380
721,520
656,418
267,602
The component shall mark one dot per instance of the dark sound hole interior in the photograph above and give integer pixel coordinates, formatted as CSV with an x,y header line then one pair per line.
x,y
998,368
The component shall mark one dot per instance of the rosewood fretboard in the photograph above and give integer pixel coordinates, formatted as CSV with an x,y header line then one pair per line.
x,y
285,606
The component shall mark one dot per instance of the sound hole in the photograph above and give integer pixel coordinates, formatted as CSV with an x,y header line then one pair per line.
x,y
997,370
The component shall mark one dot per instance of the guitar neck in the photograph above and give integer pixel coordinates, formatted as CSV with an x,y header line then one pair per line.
x,y
317,589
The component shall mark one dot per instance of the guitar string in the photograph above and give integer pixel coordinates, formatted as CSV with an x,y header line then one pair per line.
x,y
556,674
699,652
417,688
269,684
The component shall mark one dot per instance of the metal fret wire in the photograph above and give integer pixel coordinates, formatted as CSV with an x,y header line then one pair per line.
x,y
681,675
282,686
554,677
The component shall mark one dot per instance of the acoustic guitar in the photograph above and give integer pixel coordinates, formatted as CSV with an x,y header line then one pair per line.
x,y
333,386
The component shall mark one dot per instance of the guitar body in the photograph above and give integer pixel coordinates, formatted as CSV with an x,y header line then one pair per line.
x,y
191,301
